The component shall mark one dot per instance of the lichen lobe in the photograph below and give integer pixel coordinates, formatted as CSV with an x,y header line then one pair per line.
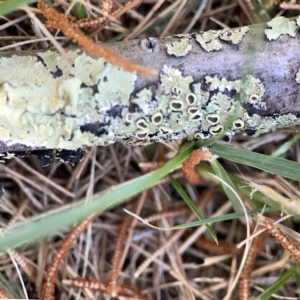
x,y
179,48
281,26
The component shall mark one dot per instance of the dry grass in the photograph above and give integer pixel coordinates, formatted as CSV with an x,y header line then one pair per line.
x,y
176,265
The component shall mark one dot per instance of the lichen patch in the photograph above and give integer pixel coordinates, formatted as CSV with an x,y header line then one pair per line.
x,y
279,26
233,36
209,40
252,91
298,77
180,48
214,83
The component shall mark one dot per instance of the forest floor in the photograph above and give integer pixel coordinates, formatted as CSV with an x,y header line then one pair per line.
x,y
189,264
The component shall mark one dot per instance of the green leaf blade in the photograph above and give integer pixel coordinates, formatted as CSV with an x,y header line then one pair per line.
x,y
267,294
274,165
191,205
222,174
11,5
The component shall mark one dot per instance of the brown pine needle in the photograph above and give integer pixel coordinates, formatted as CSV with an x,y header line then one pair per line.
x,y
48,288
282,239
22,262
245,278
152,165
221,248
125,292
113,288
95,23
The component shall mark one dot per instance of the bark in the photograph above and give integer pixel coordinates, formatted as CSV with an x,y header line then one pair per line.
x,y
46,104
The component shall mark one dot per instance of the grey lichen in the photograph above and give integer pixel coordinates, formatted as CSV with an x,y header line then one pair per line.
x,y
279,26
180,48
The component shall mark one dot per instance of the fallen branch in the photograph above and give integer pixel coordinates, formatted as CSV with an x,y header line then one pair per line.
x,y
249,74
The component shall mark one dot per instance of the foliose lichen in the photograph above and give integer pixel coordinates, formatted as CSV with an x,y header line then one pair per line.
x,y
211,40
233,36
279,26
208,40
179,48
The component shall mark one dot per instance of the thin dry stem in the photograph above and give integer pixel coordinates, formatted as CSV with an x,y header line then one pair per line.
x,y
289,6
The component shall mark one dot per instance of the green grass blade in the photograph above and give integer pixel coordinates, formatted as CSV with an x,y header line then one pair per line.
x,y
279,166
297,276
258,198
222,218
191,205
79,11
7,287
267,294
286,146
10,5
53,221
222,174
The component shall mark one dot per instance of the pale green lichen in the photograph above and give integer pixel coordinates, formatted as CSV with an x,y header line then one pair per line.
x,y
208,40
47,111
252,90
215,83
298,21
233,36
180,48
298,77
279,26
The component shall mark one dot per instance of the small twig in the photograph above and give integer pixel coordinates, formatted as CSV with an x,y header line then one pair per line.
x,y
61,22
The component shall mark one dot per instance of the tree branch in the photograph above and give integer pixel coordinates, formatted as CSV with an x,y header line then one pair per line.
x,y
248,74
